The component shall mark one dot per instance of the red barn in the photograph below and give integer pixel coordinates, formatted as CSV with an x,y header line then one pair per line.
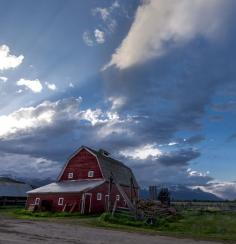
x,y
90,182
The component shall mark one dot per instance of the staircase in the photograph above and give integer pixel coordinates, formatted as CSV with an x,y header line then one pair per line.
x,y
131,206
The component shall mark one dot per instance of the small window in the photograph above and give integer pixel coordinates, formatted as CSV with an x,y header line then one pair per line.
x,y
60,201
37,201
117,197
70,176
99,196
90,174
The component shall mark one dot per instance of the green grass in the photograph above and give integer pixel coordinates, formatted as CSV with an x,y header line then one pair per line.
x,y
209,225
199,225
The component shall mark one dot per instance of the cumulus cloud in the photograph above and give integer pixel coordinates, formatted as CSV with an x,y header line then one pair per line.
x,y
106,14
28,166
3,78
103,12
51,86
33,85
99,36
7,60
25,119
161,24
142,152
223,189
88,38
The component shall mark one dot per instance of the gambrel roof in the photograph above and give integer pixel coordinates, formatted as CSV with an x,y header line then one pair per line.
x,y
121,173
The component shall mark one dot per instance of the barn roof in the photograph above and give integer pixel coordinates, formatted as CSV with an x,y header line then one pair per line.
x,y
68,186
13,188
120,172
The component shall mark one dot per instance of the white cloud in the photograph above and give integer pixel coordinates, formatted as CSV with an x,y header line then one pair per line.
x,y
71,85
34,85
23,119
88,39
7,60
172,143
103,12
117,102
106,15
223,189
142,152
99,36
3,78
93,116
160,24
28,166
44,114
51,86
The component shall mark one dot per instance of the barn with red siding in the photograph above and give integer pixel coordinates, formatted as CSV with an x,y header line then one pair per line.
x,y
90,182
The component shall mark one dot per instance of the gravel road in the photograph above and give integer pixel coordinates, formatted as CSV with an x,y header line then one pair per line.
x,y
14,231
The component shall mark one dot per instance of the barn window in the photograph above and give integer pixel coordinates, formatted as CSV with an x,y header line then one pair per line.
x,y
90,174
60,201
70,176
99,196
37,201
117,197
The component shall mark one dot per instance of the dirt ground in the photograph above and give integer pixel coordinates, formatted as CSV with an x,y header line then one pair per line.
x,y
14,231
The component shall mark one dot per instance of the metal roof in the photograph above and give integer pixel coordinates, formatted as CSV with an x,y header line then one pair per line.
x,y
68,186
120,172
13,189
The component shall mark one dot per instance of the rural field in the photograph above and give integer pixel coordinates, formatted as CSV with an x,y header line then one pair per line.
x,y
20,226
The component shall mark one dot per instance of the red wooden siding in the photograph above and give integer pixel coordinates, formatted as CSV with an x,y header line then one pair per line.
x,y
80,164
97,206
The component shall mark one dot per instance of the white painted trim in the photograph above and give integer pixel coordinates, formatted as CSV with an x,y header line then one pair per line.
x,y
90,173
106,199
73,155
83,202
99,196
60,201
37,201
117,197
70,175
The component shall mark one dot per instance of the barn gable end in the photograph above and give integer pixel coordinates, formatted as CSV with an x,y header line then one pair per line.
x,y
79,165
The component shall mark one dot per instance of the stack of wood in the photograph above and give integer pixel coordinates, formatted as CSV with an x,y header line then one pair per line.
x,y
154,209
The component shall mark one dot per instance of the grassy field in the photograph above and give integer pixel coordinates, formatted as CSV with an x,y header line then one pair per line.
x,y
208,225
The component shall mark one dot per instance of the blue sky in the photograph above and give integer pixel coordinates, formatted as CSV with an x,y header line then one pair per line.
x,y
151,81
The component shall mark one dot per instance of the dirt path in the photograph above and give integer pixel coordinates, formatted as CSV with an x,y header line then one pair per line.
x,y
14,231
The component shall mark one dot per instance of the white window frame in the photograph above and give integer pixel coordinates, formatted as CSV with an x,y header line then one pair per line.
x,y
37,201
60,201
117,197
99,196
90,174
70,175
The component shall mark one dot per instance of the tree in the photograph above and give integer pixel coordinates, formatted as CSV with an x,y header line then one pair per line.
x,y
164,196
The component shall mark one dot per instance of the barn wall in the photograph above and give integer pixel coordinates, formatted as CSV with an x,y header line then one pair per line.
x,y
97,206
80,164
69,198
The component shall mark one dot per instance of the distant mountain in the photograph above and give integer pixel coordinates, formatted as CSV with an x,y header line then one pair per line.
x,y
181,193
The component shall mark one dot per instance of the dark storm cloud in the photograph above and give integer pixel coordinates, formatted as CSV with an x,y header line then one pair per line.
x,y
171,94
179,158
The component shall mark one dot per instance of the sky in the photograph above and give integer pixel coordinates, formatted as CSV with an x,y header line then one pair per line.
x,y
151,81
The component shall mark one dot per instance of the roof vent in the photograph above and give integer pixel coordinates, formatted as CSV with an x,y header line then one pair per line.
x,y
104,152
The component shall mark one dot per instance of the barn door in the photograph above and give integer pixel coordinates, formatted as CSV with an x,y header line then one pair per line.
x,y
86,203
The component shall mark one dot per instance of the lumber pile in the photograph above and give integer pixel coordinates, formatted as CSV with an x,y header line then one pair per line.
x,y
149,210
